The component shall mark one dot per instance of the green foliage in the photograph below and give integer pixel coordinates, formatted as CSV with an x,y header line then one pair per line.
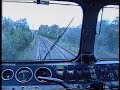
x,y
50,32
108,40
21,40
43,30
54,31
22,24
8,52
17,34
113,36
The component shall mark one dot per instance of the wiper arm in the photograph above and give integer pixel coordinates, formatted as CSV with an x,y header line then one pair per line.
x,y
53,45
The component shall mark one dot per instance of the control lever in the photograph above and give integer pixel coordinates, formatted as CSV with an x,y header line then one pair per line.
x,y
55,80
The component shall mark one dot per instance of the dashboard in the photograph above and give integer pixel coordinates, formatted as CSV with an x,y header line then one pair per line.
x,y
101,74
77,74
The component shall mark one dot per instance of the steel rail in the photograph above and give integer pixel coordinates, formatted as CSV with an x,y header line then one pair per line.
x,y
61,47
57,50
39,50
46,48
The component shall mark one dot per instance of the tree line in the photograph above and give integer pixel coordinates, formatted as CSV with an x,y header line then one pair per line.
x,y
16,37
108,40
71,35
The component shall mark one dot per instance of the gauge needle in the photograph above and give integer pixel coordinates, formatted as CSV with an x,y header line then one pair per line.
x,y
23,76
8,76
43,73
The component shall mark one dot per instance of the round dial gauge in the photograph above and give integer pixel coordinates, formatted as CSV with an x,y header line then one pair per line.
x,y
24,74
7,74
43,72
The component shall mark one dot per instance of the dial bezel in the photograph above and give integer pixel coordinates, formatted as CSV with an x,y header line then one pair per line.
x,y
29,78
6,70
42,68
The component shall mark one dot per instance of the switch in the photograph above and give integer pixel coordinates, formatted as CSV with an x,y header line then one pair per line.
x,y
70,74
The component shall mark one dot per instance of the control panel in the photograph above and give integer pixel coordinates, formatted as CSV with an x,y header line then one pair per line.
x,y
107,72
71,73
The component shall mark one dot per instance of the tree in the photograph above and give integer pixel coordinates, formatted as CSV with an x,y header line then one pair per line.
x,y
17,33
43,30
7,26
22,24
107,42
51,32
113,35
8,52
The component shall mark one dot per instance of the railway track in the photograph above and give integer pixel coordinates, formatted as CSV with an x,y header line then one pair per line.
x,y
42,50
57,52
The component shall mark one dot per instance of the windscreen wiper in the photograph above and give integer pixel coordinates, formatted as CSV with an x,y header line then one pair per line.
x,y
53,45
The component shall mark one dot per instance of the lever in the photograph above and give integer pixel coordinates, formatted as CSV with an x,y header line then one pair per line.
x,y
55,80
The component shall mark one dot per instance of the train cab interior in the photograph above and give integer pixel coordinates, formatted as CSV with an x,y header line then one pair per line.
x,y
60,45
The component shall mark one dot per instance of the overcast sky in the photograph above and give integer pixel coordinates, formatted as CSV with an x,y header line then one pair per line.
x,y
48,14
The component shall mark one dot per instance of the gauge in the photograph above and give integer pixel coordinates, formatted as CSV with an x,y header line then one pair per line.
x,y
24,74
7,74
43,72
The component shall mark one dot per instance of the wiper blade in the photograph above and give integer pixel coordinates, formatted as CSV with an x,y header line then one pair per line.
x,y
53,45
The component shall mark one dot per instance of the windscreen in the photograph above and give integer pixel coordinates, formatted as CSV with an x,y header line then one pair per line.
x,y
35,32
107,40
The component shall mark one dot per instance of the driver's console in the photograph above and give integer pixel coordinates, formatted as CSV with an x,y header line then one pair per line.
x,y
102,74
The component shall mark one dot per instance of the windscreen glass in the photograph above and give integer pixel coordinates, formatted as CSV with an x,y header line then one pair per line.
x,y
107,40
35,32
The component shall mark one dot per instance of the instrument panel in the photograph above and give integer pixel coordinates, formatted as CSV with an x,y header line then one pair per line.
x,y
71,73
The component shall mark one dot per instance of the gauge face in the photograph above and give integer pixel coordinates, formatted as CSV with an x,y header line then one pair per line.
x,y
43,72
7,74
24,74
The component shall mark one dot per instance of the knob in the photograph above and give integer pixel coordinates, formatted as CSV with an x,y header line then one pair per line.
x,y
79,74
70,74
60,74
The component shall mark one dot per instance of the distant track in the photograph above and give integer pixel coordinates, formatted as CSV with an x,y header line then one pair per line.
x,y
47,48
62,48
38,55
57,52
